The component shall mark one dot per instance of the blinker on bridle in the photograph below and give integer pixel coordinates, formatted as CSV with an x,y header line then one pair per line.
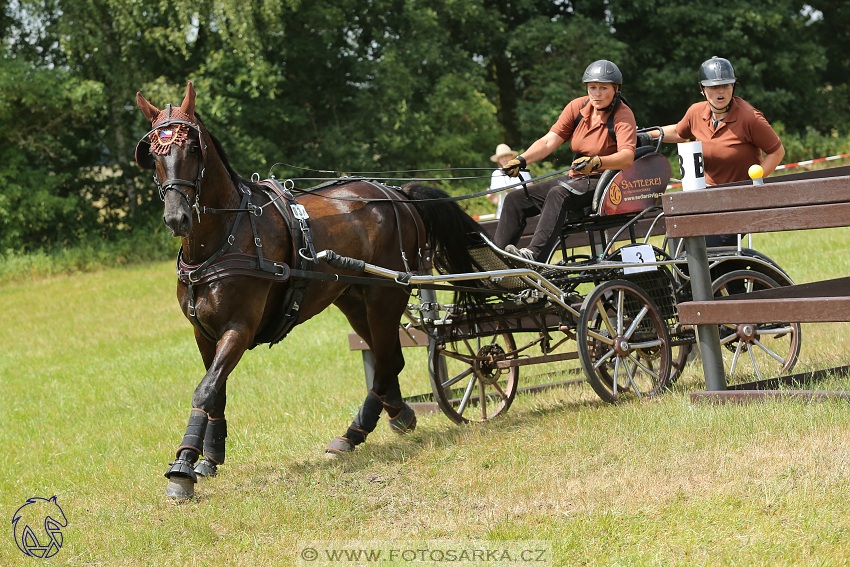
x,y
159,145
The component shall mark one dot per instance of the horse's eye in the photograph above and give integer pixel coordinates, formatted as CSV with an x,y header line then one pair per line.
x,y
193,149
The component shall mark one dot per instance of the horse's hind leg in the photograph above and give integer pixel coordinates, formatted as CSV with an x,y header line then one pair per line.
x,y
377,324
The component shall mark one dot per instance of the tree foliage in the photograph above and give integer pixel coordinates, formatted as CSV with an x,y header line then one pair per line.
x,y
363,85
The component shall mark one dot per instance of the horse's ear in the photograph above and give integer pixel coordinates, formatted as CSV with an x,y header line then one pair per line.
x,y
188,104
149,110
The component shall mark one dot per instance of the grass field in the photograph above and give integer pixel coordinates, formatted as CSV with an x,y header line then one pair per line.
x,y
97,372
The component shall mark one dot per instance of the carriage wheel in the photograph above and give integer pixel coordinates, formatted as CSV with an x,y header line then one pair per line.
x,y
468,382
623,343
755,350
680,360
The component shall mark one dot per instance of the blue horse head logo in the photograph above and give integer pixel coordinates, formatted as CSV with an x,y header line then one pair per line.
x,y
37,526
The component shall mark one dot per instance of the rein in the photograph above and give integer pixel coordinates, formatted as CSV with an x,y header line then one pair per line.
x,y
338,180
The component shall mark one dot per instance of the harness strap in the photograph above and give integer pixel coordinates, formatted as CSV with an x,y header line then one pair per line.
x,y
397,222
301,240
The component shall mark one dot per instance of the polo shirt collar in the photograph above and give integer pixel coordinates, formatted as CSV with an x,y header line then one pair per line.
x,y
732,116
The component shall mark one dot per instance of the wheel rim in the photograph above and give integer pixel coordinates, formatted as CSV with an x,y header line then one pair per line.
x,y
680,360
623,345
755,351
467,382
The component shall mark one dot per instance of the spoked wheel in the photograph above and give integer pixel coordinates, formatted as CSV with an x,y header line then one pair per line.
x,y
755,350
680,360
471,378
623,343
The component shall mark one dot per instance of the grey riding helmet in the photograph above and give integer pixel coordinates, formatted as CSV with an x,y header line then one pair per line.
x,y
716,71
602,71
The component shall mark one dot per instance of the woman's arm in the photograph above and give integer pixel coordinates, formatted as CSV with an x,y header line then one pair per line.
x,y
542,147
771,160
670,134
619,160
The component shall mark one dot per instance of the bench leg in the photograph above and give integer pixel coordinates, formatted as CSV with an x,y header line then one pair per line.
x,y
708,336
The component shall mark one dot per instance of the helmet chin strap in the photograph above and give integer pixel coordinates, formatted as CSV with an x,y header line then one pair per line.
x,y
613,101
714,109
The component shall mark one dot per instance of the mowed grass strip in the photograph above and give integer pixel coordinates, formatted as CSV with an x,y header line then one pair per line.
x,y
97,372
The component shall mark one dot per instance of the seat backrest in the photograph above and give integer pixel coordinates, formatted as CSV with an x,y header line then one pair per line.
x,y
635,188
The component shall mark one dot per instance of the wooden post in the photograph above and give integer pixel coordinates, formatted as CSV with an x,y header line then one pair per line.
x,y
708,336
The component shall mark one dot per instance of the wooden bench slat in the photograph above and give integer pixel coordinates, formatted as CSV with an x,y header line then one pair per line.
x,y
839,287
769,196
795,309
770,220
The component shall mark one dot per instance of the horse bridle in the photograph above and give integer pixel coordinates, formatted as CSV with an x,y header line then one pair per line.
x,y
174,184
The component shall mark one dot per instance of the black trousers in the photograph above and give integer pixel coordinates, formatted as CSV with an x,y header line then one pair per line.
x,y
552,204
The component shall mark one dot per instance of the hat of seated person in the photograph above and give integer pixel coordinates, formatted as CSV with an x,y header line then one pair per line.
x,y
501,151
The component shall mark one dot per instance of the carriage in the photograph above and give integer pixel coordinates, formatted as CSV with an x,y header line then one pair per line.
x,y
248,272
614,309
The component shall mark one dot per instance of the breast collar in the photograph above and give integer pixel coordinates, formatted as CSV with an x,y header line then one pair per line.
x,y
224,263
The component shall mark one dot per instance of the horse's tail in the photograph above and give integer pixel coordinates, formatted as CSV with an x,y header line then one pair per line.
x,y
450,230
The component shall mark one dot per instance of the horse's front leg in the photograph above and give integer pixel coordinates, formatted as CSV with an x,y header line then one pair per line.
x,y
207,428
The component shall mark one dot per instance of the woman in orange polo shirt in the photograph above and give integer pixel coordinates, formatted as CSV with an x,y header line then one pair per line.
x,y
733,133
588,122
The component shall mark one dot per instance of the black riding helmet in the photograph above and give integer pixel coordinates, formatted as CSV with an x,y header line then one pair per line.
x,y
602,71
716,71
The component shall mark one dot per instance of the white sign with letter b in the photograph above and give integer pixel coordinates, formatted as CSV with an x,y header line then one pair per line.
x,y
692,166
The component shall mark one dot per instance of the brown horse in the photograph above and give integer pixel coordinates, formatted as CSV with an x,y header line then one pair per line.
x,y
247,270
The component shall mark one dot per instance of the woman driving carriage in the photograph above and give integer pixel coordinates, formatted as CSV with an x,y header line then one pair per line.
x,y
733,133
602,133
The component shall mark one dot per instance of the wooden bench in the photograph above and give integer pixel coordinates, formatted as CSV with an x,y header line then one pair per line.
x,y
800,202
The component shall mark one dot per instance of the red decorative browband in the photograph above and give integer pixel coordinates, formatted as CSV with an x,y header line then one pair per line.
x,y
162,138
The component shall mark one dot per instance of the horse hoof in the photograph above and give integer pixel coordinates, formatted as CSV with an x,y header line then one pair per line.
x,y
339,446
405,421
180,488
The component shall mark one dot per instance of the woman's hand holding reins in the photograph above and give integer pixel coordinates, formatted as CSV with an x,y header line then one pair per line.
x,y
587,165
513,167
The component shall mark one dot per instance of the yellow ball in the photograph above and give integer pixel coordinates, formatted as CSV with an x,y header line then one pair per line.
x,y
755,172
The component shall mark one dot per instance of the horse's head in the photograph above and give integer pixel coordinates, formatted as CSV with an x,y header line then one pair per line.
x,y
176,153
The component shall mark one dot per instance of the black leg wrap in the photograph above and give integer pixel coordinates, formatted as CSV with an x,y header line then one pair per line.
x,y
369,414
355,436
393,406
404,421
195,431
215,439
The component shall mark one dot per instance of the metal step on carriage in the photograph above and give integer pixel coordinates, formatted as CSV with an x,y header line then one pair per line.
x,y
612,308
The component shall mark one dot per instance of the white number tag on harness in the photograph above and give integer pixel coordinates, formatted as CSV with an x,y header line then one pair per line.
x,y
299,212
638,254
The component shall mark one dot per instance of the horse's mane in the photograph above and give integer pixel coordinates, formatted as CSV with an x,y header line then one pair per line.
x,y
235,177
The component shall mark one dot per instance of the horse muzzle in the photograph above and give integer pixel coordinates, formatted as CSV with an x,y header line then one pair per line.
x,y
178,215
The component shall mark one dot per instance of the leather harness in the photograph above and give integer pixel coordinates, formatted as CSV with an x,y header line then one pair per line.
x,y
224,263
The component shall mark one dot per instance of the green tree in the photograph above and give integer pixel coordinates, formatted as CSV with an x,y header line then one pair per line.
x,y
772,45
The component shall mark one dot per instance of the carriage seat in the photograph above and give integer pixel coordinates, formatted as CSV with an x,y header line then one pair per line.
x,y
631,190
